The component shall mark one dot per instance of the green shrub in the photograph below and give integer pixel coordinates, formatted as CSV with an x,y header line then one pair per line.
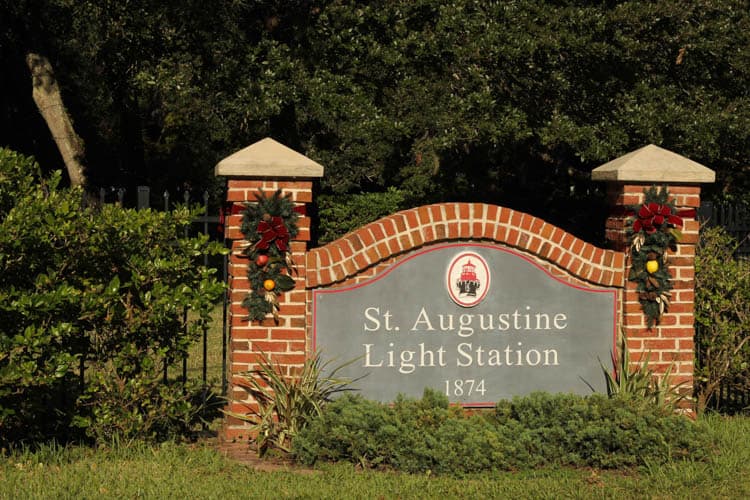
x,y
100,289
342,213
722,313
599,431
527,432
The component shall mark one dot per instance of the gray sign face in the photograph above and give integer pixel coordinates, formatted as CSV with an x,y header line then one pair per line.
x,y
479,323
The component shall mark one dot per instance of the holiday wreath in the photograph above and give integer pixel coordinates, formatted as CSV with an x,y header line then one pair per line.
x,y
653,229
268,225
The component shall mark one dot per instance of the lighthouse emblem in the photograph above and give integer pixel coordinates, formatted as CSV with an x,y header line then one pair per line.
x,y
468,279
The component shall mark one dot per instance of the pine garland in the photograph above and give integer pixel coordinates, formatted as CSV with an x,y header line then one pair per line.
x,y
268,225
652,232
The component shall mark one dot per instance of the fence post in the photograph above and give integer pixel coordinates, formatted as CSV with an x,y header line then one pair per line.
x,y
144,197
672,339
267,166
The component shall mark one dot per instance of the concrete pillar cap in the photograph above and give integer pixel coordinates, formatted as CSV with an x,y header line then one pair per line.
x,y
653,164
268,158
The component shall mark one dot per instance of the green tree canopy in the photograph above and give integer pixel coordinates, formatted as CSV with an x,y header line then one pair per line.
x,y
506,102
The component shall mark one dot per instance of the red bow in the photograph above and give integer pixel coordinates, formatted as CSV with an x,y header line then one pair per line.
x,y
651,216
275,230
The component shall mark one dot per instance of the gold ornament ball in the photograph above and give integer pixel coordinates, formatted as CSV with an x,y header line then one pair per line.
x,y
269,285
652,266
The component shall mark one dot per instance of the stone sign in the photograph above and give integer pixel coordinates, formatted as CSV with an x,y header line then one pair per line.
x,y
478,322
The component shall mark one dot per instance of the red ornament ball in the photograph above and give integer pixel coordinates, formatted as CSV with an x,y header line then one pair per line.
x,y
261,260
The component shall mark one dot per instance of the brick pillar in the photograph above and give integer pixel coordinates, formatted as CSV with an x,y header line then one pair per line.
x,y
672,340
268,166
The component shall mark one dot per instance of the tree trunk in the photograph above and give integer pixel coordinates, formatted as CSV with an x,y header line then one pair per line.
x,y
46,94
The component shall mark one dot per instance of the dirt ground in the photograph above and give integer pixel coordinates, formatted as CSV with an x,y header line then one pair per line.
x,y
241,452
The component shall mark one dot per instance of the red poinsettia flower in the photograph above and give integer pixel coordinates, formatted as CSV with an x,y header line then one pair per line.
x,y
652,216
271,231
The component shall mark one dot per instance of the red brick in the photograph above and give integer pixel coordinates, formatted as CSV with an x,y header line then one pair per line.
x,y
659,344
686,250
686,320
326,276
513,236
635,319
677,332
565,260
464,211
598,256
547,231
291,309
246,358
411,218
526,221
361,261
436,213
501,234
377,231
545,250
451,212
684,190
635,344
464,230
383,250
423,214
492,213
630,199
289,359
270,346
249,333
287,334
555,255
577,246
505,215
417,238
515,219
478,210
566,241
294,185
372,255
677,356
354,243
298,346
244,184
682,307
399,222
595,275
610,278
686,344
690,238
523,240
240,345
453,230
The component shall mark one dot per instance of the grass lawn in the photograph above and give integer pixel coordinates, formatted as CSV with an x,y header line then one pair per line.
x,y
213,351
198,471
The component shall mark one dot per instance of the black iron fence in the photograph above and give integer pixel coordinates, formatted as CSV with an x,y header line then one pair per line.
x,y
210,224
734,218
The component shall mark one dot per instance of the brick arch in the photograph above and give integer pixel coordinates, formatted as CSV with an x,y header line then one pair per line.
x,y
407,230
